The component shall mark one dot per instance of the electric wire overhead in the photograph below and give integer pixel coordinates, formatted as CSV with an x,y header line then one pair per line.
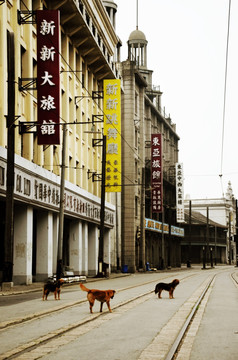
x,y
224,100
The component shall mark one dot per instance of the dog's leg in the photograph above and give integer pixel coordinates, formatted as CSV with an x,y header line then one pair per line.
x,y
159,294
46,294
171,293
59,294
108,305
101,306
91,302
43,297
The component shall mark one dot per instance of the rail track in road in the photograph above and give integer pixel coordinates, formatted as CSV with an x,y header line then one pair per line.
x,y
177,352
37,315
44,345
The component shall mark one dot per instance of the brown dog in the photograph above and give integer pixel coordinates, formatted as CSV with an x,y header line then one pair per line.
x,y
103,296
168,287
54,287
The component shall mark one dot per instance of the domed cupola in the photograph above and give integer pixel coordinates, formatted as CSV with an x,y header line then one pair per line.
x,y
111,8
137,48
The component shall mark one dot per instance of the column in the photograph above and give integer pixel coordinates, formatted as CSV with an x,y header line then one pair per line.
x,y
93,245
75,247
55,240
23,233
107,249
84,248
44,246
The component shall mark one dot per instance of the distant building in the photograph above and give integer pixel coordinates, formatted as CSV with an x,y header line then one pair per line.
x,y
204,240
143,240
215,221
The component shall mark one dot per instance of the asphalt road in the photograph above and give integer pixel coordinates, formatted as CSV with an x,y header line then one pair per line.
x,y
130,329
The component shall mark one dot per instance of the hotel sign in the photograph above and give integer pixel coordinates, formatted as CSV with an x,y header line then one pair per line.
x,y
112,130
35,190
156,173
158,226
48,77
179,193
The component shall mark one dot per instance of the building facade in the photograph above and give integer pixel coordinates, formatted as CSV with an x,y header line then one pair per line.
x,y
89,50
220,213
204,242
147,237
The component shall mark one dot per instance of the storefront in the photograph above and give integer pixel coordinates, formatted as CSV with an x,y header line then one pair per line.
x,y
36,220
163,248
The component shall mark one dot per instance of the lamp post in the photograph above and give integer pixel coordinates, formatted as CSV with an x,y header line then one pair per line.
x,y
215,255
190,234
102,143
59,270
9,219
236,235
102,213
229,234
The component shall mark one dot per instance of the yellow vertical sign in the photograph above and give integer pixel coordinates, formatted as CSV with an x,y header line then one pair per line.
x,y
112,130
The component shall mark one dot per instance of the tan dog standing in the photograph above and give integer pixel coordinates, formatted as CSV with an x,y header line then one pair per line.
x,y
103,296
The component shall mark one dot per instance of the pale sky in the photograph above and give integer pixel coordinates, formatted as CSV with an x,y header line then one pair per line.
x,y
187,52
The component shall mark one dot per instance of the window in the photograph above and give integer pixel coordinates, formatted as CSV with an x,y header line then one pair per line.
x,y
136,206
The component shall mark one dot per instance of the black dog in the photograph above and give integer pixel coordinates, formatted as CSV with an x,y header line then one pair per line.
x,y
54,287
168,287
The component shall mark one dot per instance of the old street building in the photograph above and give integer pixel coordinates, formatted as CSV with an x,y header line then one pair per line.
x,y
204,240
147,237
211,227
88,49
88,52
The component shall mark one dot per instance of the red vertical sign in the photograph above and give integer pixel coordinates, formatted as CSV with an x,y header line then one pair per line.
x,y
156,173
48,77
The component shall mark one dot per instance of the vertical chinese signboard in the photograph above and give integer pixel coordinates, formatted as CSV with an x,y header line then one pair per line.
x,y
112,130
48,77
156,173
179,193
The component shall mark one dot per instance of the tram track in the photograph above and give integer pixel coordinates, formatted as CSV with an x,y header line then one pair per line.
x,y
44,345
175,352
84,323
37,315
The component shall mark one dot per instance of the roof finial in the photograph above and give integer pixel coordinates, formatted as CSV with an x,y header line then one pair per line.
x,y
136,14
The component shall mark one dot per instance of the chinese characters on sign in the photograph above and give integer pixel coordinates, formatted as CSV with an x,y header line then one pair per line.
x,y
156,173
179,193
112,130
48,81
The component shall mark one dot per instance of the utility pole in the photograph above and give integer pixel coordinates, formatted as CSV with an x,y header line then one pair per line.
x,y
59,271
162,238
102,213
190,234
142,223
236,235
229,233
9,220
207,235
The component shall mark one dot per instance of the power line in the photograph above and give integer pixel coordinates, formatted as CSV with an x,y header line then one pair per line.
x,y
225,84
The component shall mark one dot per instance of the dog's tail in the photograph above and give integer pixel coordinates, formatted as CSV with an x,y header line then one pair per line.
x,y
156,289
83,287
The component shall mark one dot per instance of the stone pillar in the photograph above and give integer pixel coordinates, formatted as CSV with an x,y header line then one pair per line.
x,y
23,233
93,245
84,248
107,249
44,246
55,241
75,246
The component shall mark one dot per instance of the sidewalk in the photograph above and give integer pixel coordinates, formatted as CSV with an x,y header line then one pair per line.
x,y
38,286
